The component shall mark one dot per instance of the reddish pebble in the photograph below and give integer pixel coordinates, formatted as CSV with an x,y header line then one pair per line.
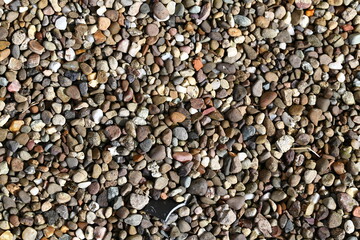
x,y
173,31
112,132
209,110
267,98
182,156
303,4
14,86
197,103
152,29
356,212
347,28
30,145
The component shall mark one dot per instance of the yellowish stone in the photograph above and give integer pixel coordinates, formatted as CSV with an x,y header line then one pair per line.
x,y
16,125
7,235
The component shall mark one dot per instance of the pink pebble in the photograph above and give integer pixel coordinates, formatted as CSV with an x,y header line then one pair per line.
x,y
173,31
303,4
14,86
182,156
186,49
209,110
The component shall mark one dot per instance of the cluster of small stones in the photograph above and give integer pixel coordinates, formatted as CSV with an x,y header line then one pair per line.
x,y
249,109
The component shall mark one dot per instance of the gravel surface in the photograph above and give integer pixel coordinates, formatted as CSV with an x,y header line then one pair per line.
x,y
240,117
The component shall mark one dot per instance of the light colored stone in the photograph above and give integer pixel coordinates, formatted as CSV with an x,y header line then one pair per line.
x,y
61,23
285,143
29,234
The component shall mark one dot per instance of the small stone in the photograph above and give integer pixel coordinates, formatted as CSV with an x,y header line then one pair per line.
x,y
58,120
226,68
239,92
17,165
29,234
138,201
353,39
242,21
73,92
36,47
234,32
134,219
7,235
285,143
335,2
18,37
16,125
236,202
177,117
80,176
104,23
234,115
157,153
248,132
349,227
161,13
267,98
198,187
278,195
97,115
4,54
61,23
180,133
62,197
14,86
225,215
335,220
3,134
112,132
161,183
134,8
295,61
356,212
4,44
146,145
250,52
152,29
348,98
346,202
303,4
182,157
309,176
315,115
271,77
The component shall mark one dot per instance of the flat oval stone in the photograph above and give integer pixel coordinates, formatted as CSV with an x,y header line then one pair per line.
x,y
182,156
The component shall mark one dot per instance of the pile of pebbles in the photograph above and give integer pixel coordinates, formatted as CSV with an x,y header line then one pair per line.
x,y
248,110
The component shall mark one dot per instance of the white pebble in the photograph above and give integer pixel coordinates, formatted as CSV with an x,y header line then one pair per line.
x,y
179,38
349,227
101,10
61,23
69,54
97,115
34,191
54,66
242,156
340,77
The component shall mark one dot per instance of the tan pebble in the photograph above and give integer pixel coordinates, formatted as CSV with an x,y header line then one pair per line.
x,y
104,23
177,117
234,32
4,54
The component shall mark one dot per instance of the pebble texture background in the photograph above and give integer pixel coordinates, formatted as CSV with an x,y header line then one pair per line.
x,y
249,109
